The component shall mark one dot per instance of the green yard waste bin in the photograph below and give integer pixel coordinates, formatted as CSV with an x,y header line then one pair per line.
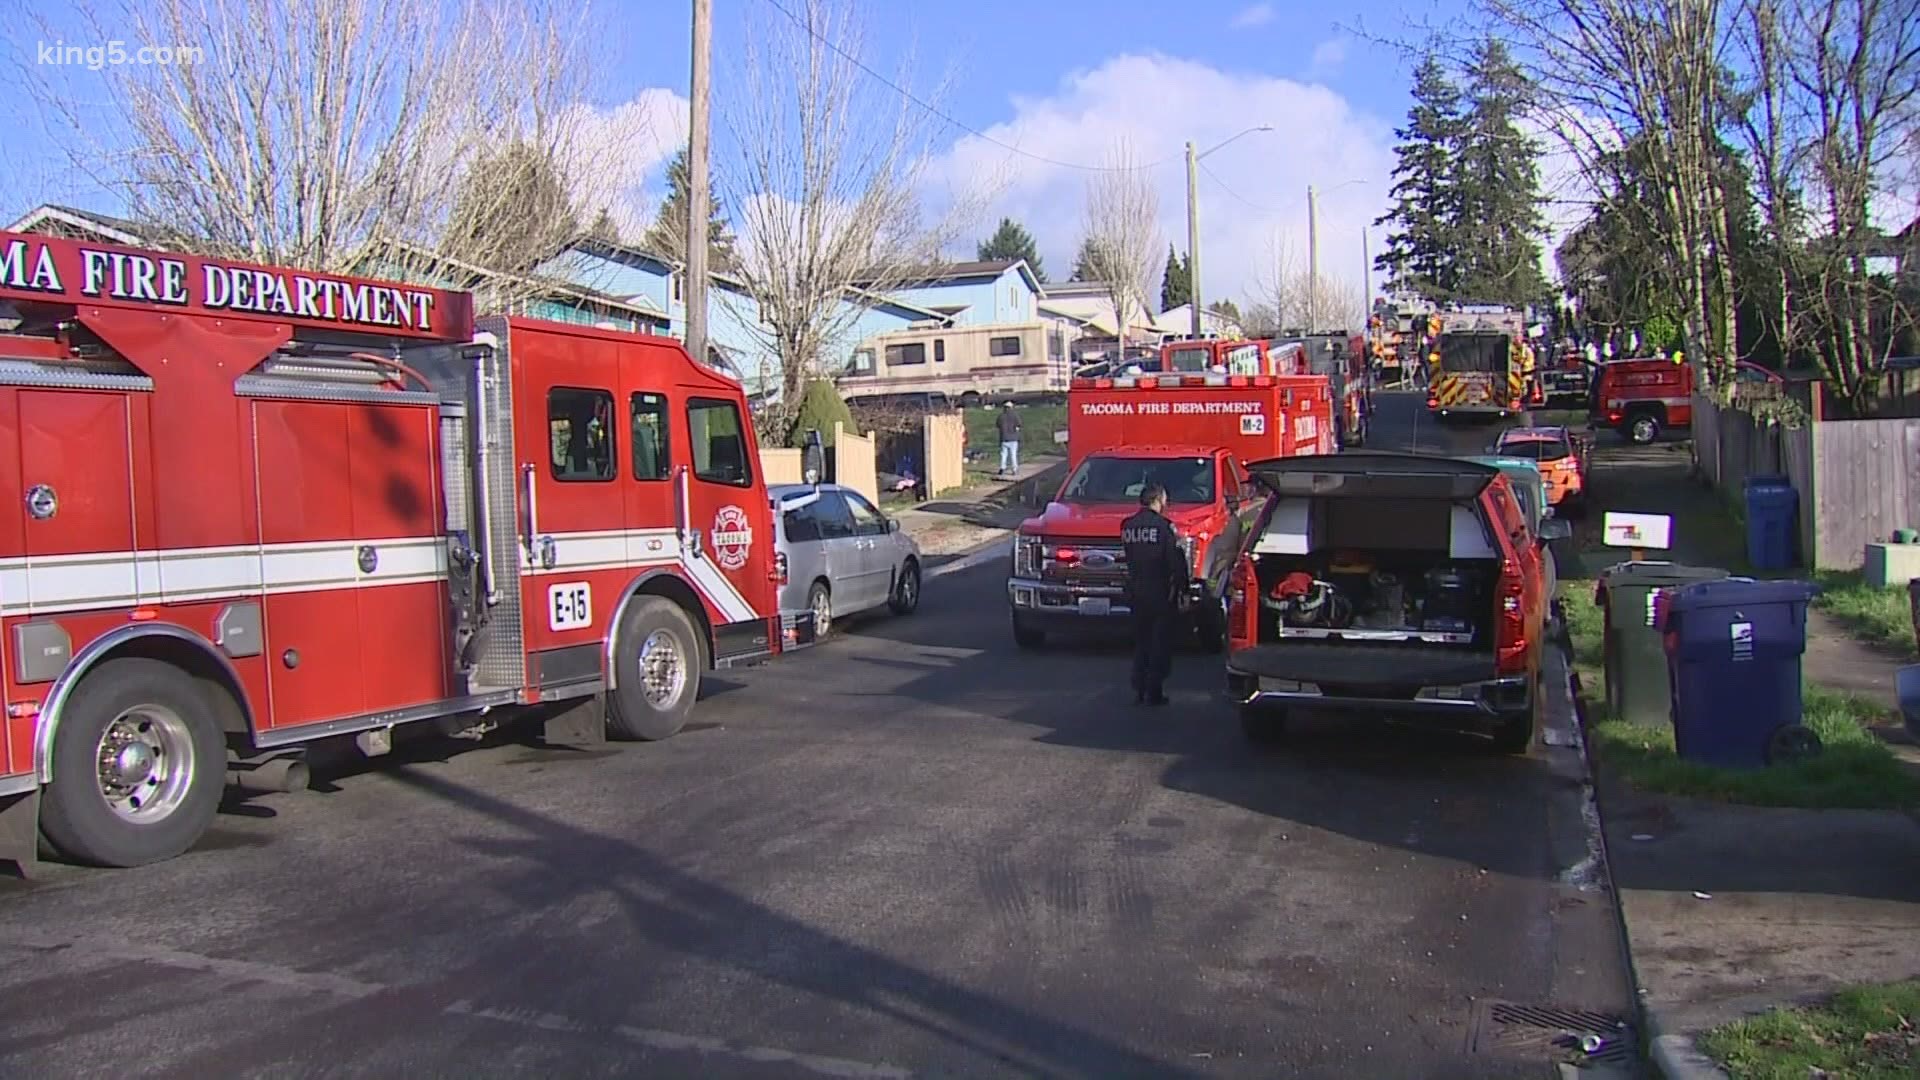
x,y
1632,653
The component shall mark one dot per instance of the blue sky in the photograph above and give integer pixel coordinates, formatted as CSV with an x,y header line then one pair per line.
x,y
1060,79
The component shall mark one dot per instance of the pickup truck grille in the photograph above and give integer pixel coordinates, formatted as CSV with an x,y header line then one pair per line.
x,y
1093,563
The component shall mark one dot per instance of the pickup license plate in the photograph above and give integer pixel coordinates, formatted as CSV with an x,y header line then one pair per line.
x,y
1095,605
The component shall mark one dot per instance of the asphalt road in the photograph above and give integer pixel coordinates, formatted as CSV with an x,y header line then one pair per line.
x,y
914,850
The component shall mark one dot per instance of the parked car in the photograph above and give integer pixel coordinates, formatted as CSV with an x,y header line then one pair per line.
x,y
1524,475
1560,456
838,555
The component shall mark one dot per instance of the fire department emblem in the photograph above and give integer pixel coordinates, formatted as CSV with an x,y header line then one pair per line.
x,y
732,537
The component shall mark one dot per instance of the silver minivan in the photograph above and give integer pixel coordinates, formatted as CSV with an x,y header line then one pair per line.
x,y
838,555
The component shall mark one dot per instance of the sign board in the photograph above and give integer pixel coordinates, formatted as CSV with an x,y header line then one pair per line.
x,y
1637,530
49,269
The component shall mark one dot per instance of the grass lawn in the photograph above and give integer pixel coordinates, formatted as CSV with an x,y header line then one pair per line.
x,y
1876,616
1866,1033
1037,424
1854,769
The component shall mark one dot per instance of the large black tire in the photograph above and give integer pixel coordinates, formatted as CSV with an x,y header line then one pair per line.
x,y
657,640
1641,428
159,707
1027,636
1263,725
1516,732
906,589
1210,627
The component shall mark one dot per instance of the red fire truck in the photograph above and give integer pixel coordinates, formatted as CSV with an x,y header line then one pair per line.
x,y
258,507
1220,356
1194,435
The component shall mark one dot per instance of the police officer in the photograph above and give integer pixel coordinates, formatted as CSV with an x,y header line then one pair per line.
x,y
1156,576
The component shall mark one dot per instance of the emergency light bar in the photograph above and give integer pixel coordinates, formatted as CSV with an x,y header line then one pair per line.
x,y
1168,382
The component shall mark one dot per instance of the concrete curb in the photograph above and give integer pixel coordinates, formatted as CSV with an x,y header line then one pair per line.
x,y
979,555
1674,1057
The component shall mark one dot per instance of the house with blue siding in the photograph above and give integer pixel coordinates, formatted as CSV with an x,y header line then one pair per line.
x,y
996,292
735,331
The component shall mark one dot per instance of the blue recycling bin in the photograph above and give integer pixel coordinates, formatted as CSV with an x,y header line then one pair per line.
x,y
1773,508
1733,659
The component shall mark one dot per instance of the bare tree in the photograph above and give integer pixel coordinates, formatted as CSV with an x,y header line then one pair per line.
x,y
825,189
1829,104
313,132
1608,70
1288,299
1122,227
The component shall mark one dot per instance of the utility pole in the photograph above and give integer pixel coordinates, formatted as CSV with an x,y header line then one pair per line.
x,y
1366,275
1193,238
698,132
1313,263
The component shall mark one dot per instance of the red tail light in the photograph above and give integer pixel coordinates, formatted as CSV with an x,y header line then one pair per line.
x,y
780,567
1614,416
1433,403
1510,626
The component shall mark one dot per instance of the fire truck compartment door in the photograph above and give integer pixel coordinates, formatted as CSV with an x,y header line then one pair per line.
x,y
77,505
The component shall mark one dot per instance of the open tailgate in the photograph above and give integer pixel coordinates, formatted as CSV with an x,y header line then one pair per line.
x,y
1374,475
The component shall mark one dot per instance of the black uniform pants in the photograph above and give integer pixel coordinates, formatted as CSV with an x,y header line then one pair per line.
x,y
1152,646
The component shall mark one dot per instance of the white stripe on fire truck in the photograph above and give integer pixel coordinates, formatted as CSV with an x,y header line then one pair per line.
x,y
615,550
56,583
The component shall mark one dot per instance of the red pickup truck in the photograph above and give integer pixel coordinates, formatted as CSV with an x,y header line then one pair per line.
x,y
1396,584
1189,433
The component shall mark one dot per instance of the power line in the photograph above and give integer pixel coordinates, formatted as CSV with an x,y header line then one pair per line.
x,y
933,111
1215,177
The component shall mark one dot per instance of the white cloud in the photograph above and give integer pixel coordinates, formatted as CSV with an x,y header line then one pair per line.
x,y
613,154
1159,103
1329,55
1255,15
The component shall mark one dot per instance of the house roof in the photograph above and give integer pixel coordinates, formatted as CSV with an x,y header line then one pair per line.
x,y
920,277
630,253
117,229
552,286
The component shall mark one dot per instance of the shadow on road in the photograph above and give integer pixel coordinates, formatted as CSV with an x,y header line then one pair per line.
x,y
1435,792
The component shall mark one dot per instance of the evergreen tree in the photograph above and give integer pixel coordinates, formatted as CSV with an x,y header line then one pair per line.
x,y
1497,187
1425,217
604,228
1226,309
1176,281
512,210
820,406
667,235
1086,262
1009,242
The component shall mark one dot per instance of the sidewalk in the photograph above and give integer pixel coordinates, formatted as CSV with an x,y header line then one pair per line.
x,y
1731,910
963,520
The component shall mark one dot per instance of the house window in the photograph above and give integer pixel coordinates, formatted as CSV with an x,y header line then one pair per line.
x,y
580,427
1003,346
903,355
719,442
939,350
650,444
677,287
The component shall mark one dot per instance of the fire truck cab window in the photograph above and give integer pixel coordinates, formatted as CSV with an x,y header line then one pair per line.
x,y
650,443
719,442
1474,352
898,355
1244,360
580,423
1194,360
1003,346
1120,480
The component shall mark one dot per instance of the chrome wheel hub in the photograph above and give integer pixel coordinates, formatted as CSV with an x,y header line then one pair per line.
x,y
822,614
145,764
663,671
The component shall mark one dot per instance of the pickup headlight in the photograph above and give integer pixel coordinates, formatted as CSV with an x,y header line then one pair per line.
x,y
1025,550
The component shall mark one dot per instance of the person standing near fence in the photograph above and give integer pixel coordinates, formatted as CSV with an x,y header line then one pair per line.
x,y
1009,424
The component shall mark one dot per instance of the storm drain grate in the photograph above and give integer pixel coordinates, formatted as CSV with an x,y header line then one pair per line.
x,y
1503,1027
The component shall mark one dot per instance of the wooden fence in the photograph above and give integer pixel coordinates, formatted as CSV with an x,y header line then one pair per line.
x,y
945,435
1857,480
853,462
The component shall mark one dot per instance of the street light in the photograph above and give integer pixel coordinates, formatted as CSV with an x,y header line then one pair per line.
x,y
1193,221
